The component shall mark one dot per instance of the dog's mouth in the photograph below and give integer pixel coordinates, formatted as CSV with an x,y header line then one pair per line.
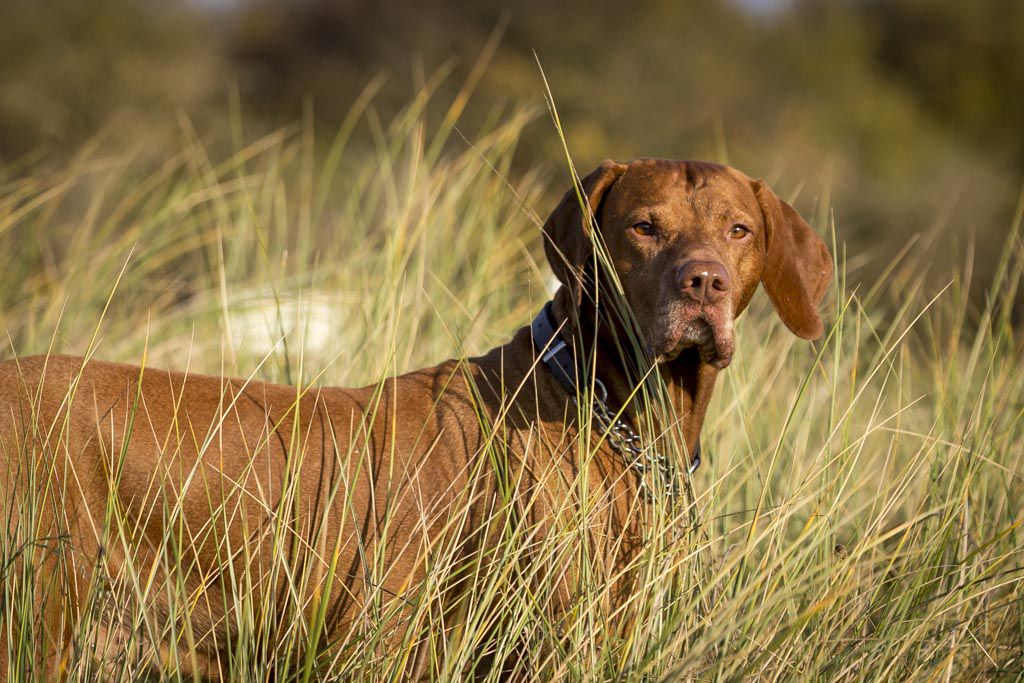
x,y
706,332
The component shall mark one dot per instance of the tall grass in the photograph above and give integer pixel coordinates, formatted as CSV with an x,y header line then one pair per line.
x,y
859,501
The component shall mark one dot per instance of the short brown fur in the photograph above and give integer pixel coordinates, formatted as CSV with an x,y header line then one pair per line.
x,y
229,441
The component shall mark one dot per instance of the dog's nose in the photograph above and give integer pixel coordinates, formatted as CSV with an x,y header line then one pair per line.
x,y
703,281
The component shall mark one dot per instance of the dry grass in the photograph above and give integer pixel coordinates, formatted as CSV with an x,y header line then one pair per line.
x,y
859,499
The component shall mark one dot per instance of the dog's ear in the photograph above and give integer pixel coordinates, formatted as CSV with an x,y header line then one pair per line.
x,y
797,266
568,241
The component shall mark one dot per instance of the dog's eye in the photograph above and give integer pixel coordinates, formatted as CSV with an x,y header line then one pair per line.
x,y
739,231
643,228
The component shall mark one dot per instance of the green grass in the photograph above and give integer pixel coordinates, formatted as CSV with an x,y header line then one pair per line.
x,y
859,501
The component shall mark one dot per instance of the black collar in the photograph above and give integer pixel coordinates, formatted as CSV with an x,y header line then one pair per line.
x,y
561,362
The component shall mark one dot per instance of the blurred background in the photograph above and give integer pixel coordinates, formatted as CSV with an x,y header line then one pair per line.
x,y
903,117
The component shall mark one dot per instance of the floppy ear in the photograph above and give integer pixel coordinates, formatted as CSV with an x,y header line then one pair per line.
x,y
567,233
797,266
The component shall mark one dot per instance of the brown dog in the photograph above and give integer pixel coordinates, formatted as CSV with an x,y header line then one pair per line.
x,y
368,482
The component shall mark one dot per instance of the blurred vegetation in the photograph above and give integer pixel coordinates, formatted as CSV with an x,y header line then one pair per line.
x,y
903,116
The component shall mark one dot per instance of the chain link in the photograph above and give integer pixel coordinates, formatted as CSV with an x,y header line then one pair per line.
x,y
646,462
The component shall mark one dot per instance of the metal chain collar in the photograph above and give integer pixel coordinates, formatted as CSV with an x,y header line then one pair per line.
x,y
653,470
647,463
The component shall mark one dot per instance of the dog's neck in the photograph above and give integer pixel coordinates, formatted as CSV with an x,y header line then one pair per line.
x,y
689,382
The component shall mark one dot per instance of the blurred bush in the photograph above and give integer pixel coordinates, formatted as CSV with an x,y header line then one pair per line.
x,y
71,71
903,116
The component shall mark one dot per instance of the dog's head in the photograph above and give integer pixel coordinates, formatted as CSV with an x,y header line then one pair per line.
x,y
689,242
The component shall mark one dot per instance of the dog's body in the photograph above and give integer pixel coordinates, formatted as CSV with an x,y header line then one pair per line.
x,y
405,467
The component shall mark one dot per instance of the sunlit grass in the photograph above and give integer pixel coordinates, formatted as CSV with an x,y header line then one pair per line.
x,y
859,497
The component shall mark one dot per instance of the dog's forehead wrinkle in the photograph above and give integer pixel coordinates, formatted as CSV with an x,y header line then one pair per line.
x,y
696,176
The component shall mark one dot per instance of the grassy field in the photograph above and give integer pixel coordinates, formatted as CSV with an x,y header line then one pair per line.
x,y
859,502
